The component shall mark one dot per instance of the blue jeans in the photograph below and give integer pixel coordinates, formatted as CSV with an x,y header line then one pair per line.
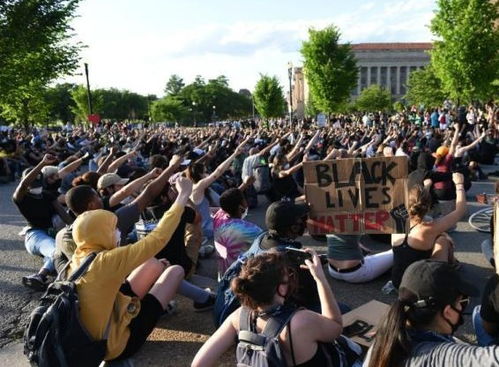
x,y
482,337
38,242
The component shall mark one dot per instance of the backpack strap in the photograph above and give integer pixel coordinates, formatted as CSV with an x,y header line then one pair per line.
x,y
277,322
245,319
83,267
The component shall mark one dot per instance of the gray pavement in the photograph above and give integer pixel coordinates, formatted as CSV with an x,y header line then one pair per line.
x,y
16,302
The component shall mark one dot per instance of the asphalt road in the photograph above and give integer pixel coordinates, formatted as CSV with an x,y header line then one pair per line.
x,y
177,338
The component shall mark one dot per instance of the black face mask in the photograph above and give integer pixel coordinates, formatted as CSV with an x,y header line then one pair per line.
x,y
459,322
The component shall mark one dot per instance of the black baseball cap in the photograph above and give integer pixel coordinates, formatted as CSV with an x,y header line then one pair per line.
x,y
434,283
283,214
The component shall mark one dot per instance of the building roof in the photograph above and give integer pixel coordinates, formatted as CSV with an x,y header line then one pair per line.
x,y
416,46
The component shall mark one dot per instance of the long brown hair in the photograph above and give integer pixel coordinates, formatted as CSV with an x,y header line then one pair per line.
x,y
392,345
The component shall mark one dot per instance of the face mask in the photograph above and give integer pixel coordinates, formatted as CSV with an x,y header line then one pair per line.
x,y
459,322
245,213
36,191
117,237
286,166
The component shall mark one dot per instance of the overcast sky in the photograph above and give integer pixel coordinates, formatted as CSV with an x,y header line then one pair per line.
x,y
137,45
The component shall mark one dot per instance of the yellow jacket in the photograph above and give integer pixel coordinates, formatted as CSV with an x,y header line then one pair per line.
x,y
98,288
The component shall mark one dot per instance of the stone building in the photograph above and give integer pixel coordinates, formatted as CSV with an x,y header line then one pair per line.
x,y
386,64
389,65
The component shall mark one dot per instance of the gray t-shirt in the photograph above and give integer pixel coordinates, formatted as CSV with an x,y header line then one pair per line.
x,y
445,354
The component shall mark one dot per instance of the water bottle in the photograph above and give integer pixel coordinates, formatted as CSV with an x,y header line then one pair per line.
x,y
388,288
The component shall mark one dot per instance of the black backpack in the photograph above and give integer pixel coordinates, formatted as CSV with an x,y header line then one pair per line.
x,y
54,336
262,349
263,182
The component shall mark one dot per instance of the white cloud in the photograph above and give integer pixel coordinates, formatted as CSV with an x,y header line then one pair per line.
x,y
142,60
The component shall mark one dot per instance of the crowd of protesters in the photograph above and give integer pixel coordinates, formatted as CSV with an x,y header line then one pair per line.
x,y
152,201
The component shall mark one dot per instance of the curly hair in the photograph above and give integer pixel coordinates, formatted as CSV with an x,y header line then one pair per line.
x,y
257,283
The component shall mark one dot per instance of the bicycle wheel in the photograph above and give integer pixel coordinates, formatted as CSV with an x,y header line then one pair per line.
x,y
481,220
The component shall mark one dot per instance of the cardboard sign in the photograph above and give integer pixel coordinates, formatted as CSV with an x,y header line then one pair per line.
x,y
372,313
356,196
321,120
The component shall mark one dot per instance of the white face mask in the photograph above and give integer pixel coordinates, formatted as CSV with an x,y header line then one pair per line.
x,y
36,191
117,237
245,213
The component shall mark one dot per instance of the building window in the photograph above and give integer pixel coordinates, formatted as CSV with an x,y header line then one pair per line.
x,y
393,79
363,78
383,77
374,75
403,79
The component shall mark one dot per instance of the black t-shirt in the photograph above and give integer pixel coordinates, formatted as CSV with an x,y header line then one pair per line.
x,y
490,300
174,250
38,209
284,186
105,204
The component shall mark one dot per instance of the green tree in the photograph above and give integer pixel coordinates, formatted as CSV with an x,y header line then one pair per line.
x,y
174,85
268,97
168,109
330,68
60,102
374,98
425,88
35,49
465,53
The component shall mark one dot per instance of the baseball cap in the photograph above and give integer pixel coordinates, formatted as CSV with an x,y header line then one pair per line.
x,y
110,179
442,151
283,214
428,283
49,171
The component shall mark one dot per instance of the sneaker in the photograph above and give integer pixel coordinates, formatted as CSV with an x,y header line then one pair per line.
x,y
171,308
35,282
205,306
206,250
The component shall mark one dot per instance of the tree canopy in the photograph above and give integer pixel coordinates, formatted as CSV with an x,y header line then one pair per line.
x,y
268,97
465,55
374,98
425,88
35,49
330,68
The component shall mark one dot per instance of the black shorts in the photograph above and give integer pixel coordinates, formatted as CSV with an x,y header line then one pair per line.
x,y
143,324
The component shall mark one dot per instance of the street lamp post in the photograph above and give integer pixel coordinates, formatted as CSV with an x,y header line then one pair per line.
x,y
194,113
290,75
89,95
214,113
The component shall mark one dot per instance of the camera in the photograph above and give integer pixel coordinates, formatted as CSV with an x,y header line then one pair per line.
x,y
297,256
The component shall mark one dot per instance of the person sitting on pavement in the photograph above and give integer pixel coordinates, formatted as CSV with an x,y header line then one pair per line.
x,y
121,296
233,234
264,286
39,207
347,261
418,329
426,239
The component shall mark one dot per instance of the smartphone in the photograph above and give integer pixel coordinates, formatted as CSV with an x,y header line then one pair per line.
x,y
298,256
356,328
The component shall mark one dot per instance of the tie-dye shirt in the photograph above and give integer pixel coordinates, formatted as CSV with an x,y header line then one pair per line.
x,y
233,236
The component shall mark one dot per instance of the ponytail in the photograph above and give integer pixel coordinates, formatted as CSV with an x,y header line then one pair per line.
x,y
391,345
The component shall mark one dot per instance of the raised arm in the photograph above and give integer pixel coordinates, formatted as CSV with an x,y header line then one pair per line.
x,y
23,187
460,151
104,167
113,167
443,224
198,191
156,186
454,141
132,187
296,149
63,172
